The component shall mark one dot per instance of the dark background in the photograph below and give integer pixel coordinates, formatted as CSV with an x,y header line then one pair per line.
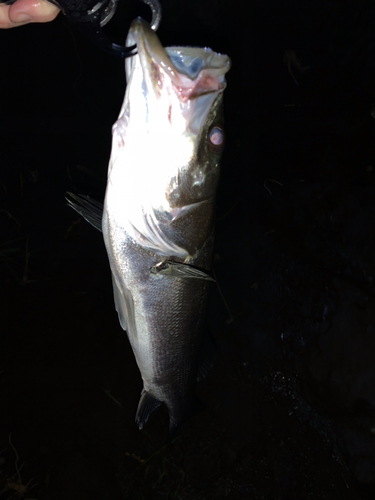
x,y
290,403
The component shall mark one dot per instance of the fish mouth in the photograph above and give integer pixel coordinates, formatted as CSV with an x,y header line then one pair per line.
x,y
185,73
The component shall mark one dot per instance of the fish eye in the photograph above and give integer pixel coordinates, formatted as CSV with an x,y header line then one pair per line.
x,y
216,138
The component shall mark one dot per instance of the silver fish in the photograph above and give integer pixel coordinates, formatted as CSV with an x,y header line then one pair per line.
x,y
158,217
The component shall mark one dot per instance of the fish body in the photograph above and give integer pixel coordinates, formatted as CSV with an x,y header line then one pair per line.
x,y
158,218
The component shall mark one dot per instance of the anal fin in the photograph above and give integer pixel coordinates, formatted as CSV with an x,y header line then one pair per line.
x,y
147,404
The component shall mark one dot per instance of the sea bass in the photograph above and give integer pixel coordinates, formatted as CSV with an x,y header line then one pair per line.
x,y
158,218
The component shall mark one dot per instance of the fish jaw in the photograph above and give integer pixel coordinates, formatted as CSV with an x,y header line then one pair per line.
x,y
159,205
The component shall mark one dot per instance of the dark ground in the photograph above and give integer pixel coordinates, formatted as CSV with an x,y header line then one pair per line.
x,y
290,404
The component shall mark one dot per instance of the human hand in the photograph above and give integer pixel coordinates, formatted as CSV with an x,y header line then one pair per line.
x,y
26,11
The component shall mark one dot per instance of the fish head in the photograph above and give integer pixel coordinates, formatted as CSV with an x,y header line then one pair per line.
x,y
168,139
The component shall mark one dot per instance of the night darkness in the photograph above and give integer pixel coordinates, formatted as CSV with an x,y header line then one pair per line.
x,y
289,407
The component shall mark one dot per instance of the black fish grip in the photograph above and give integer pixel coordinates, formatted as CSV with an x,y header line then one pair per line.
x,y
89,16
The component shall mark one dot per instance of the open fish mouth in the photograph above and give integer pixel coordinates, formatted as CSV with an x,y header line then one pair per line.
x,y
176,73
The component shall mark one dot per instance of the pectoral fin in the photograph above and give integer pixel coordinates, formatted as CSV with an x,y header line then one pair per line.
x,y
179,270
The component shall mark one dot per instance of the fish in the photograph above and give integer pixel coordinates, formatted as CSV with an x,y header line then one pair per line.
x,y
159,213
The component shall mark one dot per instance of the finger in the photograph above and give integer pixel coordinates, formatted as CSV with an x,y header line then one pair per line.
x,y
5,21
32,11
